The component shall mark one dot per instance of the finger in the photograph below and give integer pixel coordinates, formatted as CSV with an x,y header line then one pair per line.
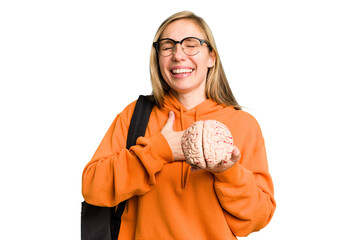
x,y
235,156
194,169
170,122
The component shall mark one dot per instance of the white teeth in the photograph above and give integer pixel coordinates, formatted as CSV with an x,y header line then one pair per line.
x,y
181,70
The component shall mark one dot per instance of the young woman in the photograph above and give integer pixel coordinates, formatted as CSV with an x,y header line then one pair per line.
x,y
166,198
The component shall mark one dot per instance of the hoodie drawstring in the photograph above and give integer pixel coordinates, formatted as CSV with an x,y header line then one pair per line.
x,y
196,114
182,118
185,168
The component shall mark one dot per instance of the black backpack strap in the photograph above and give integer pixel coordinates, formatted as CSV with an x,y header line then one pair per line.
x,y
138,124
139,120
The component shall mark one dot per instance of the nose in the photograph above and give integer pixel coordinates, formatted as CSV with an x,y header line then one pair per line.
x,y
178,54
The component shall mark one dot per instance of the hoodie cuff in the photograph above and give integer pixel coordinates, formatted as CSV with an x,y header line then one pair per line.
x,y
160,148
232,175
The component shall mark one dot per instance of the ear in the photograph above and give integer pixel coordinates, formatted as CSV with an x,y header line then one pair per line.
x,y
211,60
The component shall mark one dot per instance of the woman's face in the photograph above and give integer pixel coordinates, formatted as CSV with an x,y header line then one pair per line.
x,y
183,73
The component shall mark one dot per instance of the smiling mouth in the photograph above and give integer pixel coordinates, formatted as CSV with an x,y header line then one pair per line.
x,y
181,70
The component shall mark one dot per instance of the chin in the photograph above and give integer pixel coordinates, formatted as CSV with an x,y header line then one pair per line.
x,y
183,89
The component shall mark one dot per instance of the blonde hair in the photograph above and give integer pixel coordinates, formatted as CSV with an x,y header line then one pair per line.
x,y
217,87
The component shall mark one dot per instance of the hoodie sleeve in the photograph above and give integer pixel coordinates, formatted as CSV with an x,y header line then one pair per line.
x,y
115,174
246,191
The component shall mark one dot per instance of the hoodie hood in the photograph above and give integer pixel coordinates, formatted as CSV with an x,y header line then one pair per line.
x,y
184,118
188,116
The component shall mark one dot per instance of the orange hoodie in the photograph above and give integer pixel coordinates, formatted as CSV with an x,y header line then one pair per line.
x,y
166,199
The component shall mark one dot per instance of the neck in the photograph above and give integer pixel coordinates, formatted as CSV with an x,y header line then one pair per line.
x,y
191,99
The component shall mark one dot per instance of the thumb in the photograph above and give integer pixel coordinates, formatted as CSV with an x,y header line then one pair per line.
x,y
235,156
170,122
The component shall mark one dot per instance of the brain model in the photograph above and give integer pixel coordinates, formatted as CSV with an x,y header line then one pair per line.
x,y
207,144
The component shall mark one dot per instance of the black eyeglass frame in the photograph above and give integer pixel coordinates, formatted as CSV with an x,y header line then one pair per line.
x,y
202,41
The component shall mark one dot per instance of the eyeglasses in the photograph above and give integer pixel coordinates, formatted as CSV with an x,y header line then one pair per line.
x,y
190,46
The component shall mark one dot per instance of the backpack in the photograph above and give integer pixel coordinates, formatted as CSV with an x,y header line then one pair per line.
x,y
103,223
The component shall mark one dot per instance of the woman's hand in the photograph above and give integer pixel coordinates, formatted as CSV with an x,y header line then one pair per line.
x,y
173,138
221,167
235,157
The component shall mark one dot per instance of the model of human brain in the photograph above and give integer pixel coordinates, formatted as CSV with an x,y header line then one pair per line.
x,y
206,144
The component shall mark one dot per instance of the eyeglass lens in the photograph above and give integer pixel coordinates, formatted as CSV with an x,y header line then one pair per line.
x,y
190,46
